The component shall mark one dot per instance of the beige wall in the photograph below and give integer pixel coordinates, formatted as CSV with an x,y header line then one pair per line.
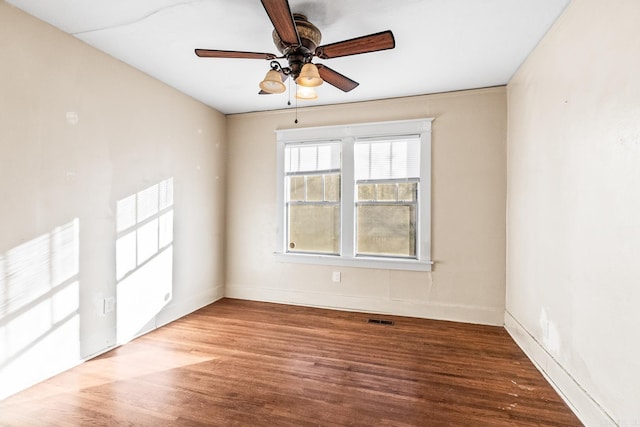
x,y
78,132
468,213
573,274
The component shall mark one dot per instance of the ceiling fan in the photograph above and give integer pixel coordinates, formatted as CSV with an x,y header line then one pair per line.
x,y
298,41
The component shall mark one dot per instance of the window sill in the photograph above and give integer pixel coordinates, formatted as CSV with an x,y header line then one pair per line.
x,y
359,262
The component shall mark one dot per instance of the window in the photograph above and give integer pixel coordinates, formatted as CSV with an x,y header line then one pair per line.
x,y
312,186
387,175
356,195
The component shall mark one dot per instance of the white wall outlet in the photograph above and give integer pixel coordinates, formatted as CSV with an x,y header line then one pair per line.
x,y
108,305
336,277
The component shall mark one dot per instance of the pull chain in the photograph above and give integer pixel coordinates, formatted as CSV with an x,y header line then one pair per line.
x,y
289,102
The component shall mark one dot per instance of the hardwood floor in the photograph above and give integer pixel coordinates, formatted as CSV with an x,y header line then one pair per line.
x,y
242,363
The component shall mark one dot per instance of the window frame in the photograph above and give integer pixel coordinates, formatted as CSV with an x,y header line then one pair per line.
x,y
348,135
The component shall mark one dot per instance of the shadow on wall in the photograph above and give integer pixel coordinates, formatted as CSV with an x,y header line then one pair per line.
x,y
39,308
144,258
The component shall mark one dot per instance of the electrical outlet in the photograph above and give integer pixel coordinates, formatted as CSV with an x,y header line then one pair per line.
x,y
336,277
108,305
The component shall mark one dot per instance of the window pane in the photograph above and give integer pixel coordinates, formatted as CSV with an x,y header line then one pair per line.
x,y
392,159
308,158
386,192
332,187
315,189
399,160
312,157
361,161
296,188
407,191
314,228
324,157
380,161
366,192
386,230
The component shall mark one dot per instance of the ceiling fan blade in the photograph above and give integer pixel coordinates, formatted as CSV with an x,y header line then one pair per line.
x,y
336,79
280,15
364,44
211,53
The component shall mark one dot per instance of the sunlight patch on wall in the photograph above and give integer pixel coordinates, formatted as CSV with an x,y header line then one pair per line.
x,y
144,257
39,308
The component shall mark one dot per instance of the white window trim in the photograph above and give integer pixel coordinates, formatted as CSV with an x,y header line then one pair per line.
x,y
348,134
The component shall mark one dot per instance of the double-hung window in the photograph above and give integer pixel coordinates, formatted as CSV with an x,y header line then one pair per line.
x,y
312,187
355,195
387,179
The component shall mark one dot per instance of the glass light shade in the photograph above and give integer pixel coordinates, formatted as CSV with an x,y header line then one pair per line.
x,y
309,76
272,83
307,93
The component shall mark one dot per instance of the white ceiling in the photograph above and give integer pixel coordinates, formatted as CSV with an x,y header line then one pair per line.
x,y
441,45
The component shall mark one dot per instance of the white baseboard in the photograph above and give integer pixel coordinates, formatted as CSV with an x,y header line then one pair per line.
x,y
457,313
175,311
578,399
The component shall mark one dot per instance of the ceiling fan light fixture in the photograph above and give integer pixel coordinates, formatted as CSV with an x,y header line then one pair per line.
x,y
309,76
298,41
306,93
272,82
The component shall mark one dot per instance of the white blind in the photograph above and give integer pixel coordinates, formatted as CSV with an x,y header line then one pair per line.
x,y
387,159
312,157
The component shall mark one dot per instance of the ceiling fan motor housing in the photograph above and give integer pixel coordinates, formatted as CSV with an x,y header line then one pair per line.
x,y
310,35
297,56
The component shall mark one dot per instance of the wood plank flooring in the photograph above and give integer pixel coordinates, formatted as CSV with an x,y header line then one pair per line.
x,y
243,363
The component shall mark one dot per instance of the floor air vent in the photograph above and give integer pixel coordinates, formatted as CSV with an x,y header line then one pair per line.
x,y
381,322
